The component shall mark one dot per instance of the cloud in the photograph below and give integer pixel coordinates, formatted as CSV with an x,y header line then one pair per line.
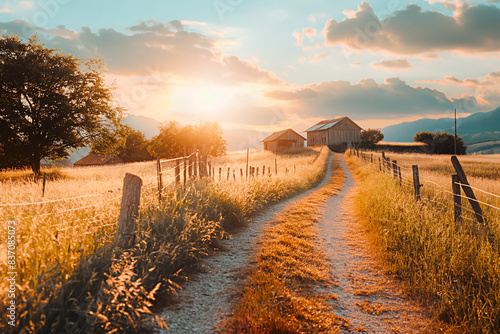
x,y
485,90
299,37
166,47
392,64
391,99
319,57
414,31
6,10
310,33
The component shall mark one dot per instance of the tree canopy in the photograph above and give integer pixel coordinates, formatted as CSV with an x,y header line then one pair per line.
x,y
441,142
50,103
173,137
370,137
127,142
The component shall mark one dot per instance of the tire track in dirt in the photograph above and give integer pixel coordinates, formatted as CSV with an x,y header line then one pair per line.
x,y
369,300
207,298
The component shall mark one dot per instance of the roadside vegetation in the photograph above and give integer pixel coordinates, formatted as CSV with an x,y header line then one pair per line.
x,y
451,266
281,292
71,277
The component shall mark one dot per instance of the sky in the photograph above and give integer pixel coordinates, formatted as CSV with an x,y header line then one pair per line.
x,y
261,66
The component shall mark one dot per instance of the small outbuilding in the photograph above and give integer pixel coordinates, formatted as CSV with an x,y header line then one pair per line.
x,y
99,160
335,133
283,141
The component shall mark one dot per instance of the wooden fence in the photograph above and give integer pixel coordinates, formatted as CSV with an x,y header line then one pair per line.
x,y
459,183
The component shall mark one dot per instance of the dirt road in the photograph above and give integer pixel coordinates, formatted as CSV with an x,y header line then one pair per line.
x,y
207,298
368,300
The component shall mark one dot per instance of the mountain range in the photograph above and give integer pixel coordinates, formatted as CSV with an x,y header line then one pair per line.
x,y
478,128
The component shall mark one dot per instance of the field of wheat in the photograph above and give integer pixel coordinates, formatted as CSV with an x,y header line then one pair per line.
x,y
453,266
68,271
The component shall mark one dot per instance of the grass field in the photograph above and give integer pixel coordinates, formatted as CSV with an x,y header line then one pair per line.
x,y
69,274
452,266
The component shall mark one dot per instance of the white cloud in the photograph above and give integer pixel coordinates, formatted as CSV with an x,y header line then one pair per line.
x,y
366,99
166,46
392,64
471,29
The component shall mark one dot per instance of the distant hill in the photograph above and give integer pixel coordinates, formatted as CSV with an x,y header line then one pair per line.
x,y
149,126
478,127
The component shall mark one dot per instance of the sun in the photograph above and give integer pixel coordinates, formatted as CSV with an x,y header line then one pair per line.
x,y
203,99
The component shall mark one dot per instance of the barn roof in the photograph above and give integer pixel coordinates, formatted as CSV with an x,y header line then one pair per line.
x,y
329,123
276,135
96,159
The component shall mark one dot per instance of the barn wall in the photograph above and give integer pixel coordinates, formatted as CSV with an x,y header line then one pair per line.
x,y
342,133
284,142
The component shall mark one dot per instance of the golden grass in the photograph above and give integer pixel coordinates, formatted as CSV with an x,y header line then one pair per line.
x,y
67,268
280,296
451,265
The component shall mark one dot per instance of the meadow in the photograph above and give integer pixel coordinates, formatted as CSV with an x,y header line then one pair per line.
x,y
452,266
70,275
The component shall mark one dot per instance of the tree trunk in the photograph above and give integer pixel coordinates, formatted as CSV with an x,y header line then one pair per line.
x,y
35,166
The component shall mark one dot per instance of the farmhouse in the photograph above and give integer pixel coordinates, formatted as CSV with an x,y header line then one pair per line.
x,y
282,141
99,160
336,133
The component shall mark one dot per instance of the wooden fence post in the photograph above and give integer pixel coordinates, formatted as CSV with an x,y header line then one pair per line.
x,y
160,183
203,166
416,182
276,165
263,170
257,171
247,163
399,174
241,172
190,167
379,164
195,166
468,192
220,173
177,172
371,159
395,168
269,171
185,165
209,169
128,211
457,199
228,172
44,182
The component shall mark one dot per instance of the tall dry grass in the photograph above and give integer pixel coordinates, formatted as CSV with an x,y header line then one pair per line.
x,y
453,266
69,273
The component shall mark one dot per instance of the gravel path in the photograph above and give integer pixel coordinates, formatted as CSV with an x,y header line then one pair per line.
x,y
368,300
206,299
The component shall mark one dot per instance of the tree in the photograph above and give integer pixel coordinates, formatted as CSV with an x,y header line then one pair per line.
x,y
173,137
50,102
134,146
370,137
441,142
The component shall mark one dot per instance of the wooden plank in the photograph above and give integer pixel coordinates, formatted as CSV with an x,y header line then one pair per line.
x,y
395,169
468,190
457,200
416,182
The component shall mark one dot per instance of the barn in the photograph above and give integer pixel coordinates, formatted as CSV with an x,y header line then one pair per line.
x,y
99,160
336,133
283,141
